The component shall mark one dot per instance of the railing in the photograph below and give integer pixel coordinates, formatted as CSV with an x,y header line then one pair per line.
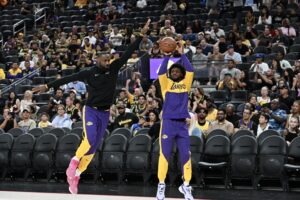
x,y
19,82
1,41
39,14
19,26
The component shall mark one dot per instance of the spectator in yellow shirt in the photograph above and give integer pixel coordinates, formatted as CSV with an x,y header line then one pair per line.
x,y
15,72
2,74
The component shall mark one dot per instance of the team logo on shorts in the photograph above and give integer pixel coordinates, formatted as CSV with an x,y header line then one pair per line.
x,y
164,136
89,123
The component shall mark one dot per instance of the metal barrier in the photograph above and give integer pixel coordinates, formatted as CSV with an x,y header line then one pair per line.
x,y
19,26
39,14
13,85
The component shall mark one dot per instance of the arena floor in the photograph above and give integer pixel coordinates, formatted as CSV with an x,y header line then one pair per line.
x,y
88,191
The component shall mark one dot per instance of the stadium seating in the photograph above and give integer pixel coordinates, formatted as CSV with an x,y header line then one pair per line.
x,y
6,142
43,155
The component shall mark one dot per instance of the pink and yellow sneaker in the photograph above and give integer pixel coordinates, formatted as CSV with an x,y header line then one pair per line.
x,y
72,170
73,187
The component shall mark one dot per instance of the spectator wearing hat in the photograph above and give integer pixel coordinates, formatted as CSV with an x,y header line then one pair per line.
x,y
216,32
232,55
259,65
263,123
91,37
26,123
124,119
62,119
277,116
285,98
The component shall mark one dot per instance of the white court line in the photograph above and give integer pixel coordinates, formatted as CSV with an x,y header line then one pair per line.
x,y
57,196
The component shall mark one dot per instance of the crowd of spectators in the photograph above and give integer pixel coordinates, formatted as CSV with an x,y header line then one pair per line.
x,y
275,85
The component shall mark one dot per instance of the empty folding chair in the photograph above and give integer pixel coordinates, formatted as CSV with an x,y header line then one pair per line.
x,y
292,167
243,158
113,156
271,159
122,131
77,124
172,169
58,132
43,154
6,142
219,97
240,133
216,132
77,131
143,131
138,156
47,129
51,72
21,153
266,134
1,131
238,96
16,132
66,130
67,146
295,48
215,159
36,132
196,149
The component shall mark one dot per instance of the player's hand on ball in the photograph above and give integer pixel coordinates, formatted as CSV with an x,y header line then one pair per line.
x,y
40,89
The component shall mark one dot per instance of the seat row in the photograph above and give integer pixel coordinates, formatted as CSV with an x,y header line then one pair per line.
x,y
217,157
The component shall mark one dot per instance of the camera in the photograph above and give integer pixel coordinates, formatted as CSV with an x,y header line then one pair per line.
x,y
12,114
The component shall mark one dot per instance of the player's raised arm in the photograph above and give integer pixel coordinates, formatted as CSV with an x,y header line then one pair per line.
x,y
116,65
80,76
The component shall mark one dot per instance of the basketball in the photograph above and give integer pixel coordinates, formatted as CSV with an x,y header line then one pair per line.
x,y
167,45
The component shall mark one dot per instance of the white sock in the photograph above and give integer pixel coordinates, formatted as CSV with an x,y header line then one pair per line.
x,y
162,182
77,172
75,158
186,184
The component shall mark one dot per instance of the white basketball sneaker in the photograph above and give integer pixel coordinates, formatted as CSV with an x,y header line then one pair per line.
x,y
187,191
160,195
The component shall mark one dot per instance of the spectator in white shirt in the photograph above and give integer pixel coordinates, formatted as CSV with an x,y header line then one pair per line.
x,y
231,55
189,47
263,124
26,123
27,57
287,29
216,32
91,38
284,64
259,65
62,119
141,4
115,37
265,17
